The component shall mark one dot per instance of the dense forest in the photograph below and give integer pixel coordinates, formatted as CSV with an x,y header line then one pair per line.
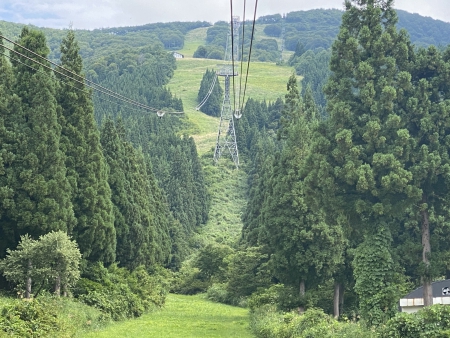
x,y
103,203
97,176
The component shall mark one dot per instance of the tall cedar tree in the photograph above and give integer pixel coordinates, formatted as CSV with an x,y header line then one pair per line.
x,y
213,105
303,247
142,227
357,165
425,142
9,137
39,200
86,166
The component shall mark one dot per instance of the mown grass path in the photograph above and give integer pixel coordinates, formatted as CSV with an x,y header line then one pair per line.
x,y
186,317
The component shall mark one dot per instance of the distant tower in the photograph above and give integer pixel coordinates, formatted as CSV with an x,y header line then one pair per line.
x,y
226,137
283,31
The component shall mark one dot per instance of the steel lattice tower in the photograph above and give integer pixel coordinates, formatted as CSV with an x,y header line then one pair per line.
x,y
226,137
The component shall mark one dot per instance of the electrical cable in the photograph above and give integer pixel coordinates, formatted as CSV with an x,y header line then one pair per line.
x,y
242,54
232,55
250,52
88,83
70,85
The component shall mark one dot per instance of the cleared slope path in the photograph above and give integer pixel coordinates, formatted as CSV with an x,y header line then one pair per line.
x,y
186,317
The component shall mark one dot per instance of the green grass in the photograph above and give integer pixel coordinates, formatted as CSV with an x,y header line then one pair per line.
x,y
266,81
184,317
226,185
227,188
194,38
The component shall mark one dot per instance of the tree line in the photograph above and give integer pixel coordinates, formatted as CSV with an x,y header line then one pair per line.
x,y
346,211
59,171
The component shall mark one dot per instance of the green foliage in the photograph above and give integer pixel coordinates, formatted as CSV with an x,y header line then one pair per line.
x,y
35,189
86,166
142,238
30,319
432,321
314,67
212,262
273,30
378,285
187,281
218,293
303,248
213,106
267,296
119,293
266,322
48,317
54,259
247,272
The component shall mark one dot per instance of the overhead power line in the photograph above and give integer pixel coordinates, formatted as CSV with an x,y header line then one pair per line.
x,y
249,53
85,82
118,103
242,43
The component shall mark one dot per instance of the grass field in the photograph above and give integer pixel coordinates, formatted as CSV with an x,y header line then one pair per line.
x,y
183,317
266,81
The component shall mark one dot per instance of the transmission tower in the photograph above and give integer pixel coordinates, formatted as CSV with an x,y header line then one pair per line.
x,y
283,30
226,137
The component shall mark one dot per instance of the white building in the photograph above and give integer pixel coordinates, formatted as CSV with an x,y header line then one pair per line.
x,y
177,55
413,302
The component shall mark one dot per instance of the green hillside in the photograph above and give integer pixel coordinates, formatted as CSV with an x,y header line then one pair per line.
x,y
266,81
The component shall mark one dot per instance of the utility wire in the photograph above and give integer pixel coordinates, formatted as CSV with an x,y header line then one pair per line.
x,y
232,54
250,52
242,54
88,83
74,87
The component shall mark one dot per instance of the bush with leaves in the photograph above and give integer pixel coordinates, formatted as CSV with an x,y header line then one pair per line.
x,y
29,319
432,321
188,281
267,322
53,259
120,293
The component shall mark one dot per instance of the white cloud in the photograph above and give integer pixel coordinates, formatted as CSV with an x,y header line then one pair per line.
x,y
90,14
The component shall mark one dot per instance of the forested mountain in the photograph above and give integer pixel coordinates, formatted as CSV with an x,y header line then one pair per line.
x,y
347,191
313,29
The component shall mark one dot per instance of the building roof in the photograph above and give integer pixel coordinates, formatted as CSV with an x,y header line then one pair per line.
x,y
440,288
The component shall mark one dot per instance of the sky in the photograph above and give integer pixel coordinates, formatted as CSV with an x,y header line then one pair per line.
x,y
92,14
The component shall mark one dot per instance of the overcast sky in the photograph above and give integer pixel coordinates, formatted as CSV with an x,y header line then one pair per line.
x,y
90,14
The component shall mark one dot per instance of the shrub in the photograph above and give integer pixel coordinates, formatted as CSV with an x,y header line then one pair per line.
x,y
48,317
122,294
267,322
29,319
188,281
218,293
432,321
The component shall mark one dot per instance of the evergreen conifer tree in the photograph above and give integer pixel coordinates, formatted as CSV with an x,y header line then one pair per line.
x,y
8,146
86,166
40,201
303,247
357,163
213,105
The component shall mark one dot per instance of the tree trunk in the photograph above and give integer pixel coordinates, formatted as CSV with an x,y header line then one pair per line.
x,y
426,246
65,290
341,298
301,309
58,286
28,285
336,299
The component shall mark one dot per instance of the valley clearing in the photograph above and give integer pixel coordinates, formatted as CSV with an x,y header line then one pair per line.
x,y
183,317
